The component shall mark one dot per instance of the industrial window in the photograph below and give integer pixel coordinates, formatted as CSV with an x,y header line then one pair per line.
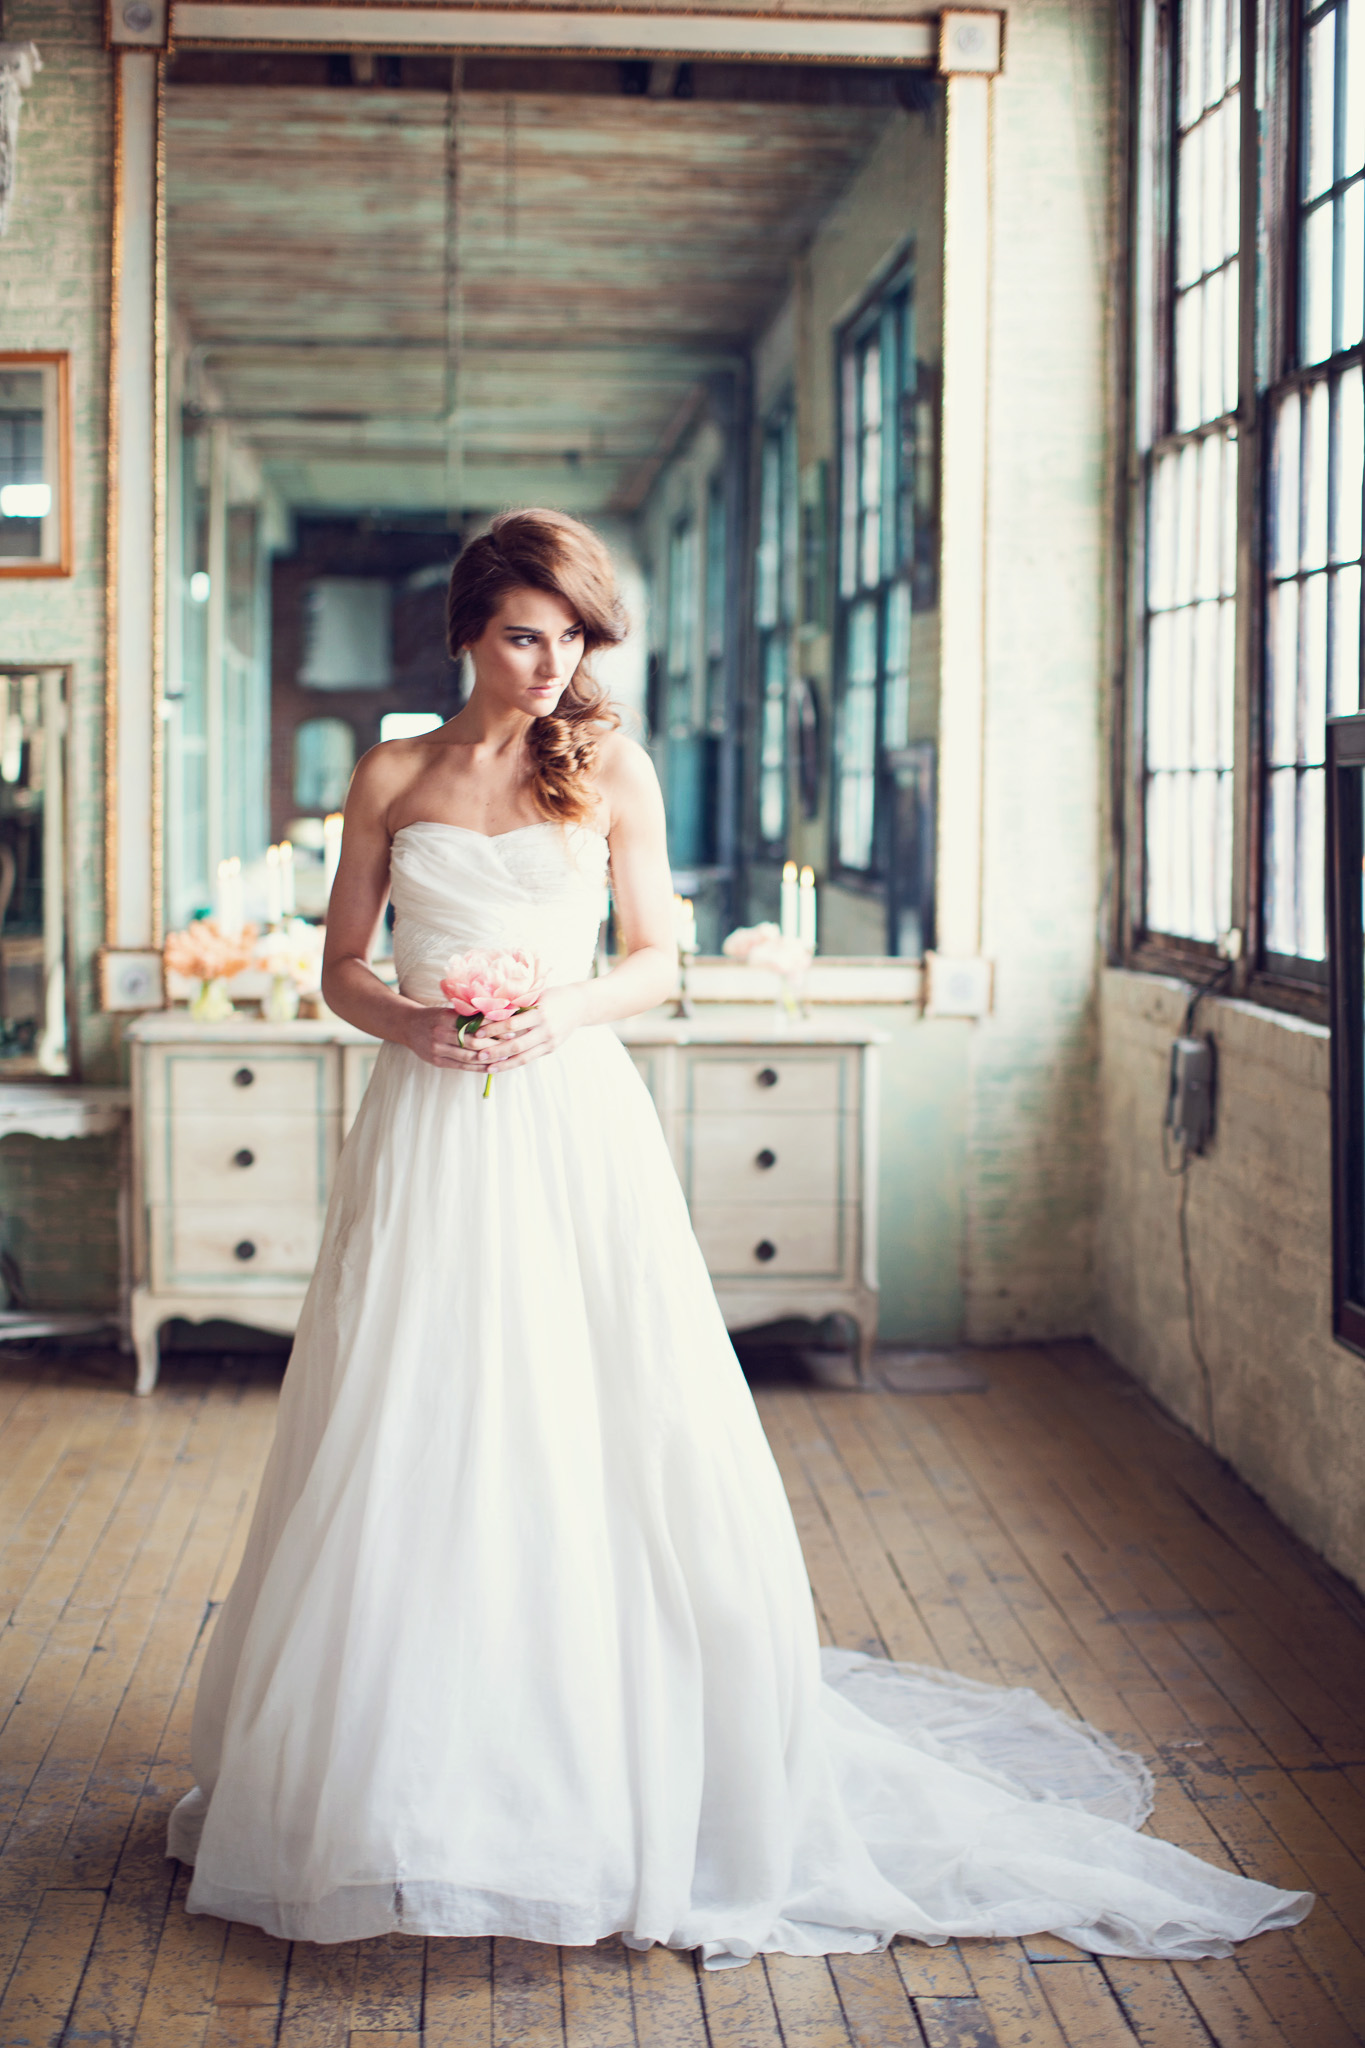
x,y
1188,305
1316,478
876,564
1247,520
775,571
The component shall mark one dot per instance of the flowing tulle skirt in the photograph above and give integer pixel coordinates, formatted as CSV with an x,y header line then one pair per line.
x,y
523,1643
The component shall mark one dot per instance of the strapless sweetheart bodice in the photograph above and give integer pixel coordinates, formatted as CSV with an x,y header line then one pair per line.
x,y
540,889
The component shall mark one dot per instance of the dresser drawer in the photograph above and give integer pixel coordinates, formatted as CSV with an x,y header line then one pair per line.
x,y
760,1157
749,1239
226,1082
240,1160
195,1246
777,1083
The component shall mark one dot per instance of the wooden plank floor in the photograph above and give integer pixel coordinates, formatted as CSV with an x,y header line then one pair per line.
x,y
1056,1531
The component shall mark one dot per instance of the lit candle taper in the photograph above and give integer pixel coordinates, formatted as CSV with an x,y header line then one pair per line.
x,y
805,909
286,878
274,895
789,911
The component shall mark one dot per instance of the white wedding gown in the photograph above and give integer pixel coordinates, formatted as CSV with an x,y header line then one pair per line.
x,y
522,1642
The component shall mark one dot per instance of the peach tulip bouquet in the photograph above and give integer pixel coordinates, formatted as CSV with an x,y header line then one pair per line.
x,y
489,987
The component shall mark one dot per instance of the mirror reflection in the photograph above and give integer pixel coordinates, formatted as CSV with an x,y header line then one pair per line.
x,y
694,304
33,937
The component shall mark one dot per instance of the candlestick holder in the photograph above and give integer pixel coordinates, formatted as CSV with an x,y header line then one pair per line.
x,y
683,1007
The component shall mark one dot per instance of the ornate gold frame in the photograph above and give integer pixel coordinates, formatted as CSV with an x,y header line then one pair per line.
x,y
61,362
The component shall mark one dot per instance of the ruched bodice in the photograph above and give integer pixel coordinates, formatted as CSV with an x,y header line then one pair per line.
x,y
540,889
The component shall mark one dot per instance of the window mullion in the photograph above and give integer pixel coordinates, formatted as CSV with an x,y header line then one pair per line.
x,y
1246,747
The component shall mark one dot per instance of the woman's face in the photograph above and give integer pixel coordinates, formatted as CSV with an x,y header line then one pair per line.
x,y
528,651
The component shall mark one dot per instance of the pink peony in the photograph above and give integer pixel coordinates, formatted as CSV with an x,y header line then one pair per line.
x,y
489,987
740,944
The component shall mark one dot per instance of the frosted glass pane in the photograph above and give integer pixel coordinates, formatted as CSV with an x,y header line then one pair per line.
x,y
1227,681
1209,551
862,643
1319,77
1316,443
1234,60
1211,211
1281,844
1181,855
1188,344
1282,657
1182,666
1205,681
1316,284
1350,474
1351,312
1222,856
1228,578
1284,488
1163,532
1189,205
1215,49
1355,88
1188,524
1345,689
1313,865
1191,19
1160,653
1203,839
1159,855
1211,388
1231,332
1313,690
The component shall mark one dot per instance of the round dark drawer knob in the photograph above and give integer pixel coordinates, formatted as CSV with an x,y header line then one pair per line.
x,y
243,1077
765,1159
244,1158
244,1251
765,1250
767,1077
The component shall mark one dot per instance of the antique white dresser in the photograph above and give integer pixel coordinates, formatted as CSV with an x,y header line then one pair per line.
x,y
237,1128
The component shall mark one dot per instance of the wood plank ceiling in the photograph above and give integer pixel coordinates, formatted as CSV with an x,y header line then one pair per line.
x,y
406,301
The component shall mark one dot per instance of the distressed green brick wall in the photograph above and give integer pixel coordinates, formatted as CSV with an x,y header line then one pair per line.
x,y
54,293
59,1201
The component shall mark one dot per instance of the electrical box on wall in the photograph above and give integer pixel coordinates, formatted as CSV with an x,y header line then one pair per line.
x,y
1189,1102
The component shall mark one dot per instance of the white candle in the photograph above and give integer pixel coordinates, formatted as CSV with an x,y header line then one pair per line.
x,y
286,878
789,901
274,894
331,847
684,924
805,910
220,895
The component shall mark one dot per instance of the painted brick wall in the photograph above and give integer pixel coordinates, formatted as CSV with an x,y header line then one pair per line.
x,y
54,293
1030,1173
1287,1402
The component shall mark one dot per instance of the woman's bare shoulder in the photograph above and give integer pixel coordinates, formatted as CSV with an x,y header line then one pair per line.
x,y
627,785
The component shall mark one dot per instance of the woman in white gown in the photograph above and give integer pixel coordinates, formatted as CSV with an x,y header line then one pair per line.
x,y
522,1641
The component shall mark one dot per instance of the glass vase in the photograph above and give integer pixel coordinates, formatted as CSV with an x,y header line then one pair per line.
x,y
212,1004
281,1001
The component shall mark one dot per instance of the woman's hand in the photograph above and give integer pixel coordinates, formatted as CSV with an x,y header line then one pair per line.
x,y
433,1034
533,1033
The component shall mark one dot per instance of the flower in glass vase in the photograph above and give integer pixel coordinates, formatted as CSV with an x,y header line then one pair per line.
x,y
766,947
205,953
488,987
291,954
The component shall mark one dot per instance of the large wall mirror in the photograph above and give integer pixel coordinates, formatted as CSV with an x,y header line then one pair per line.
x,y
626,289
34,970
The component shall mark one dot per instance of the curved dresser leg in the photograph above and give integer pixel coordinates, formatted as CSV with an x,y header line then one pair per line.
x,y
867,1344
145,1318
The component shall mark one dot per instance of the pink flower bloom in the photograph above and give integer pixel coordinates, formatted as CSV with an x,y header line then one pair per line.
x,y
489,987
740,944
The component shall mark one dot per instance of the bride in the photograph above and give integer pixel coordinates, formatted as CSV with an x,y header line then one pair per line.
x,y
522,1641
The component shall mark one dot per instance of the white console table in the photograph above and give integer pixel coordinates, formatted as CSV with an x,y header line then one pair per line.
x,y
237,1127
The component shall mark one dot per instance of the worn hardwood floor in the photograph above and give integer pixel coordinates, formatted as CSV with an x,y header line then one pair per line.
x,y
1056,1531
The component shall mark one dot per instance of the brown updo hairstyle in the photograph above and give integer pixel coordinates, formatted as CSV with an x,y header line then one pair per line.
x,y
548,551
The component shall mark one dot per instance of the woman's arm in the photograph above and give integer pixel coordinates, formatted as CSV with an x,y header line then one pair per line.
x,y
642,887
349,984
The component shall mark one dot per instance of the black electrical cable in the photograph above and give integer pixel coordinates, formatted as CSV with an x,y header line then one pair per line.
x,y
1182,1174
